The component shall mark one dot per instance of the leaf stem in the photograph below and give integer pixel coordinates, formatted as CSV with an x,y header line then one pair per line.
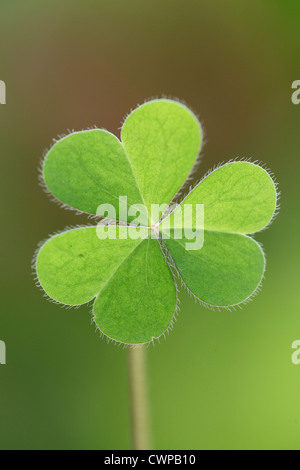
x,y
140,429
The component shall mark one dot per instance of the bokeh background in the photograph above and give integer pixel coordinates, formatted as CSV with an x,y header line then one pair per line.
x,y
220,380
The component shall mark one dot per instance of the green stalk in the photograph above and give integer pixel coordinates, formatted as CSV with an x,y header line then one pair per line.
x,y
140,426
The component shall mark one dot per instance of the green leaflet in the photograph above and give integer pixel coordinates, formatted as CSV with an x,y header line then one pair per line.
x,y
226,271
89,168
73,266
138,303
76,266
238,197
162,139
133,288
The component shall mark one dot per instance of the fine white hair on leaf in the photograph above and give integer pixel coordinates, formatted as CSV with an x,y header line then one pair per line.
x,y
89,302
153,339
34,266
176,100
175,272
41,178
171,208
167,256
198,156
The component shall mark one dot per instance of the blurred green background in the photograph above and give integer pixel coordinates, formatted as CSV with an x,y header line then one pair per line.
x,y
220,380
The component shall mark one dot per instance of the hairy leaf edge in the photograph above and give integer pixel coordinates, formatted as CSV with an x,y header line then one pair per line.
x,y
55,199
202,132
173,268
41,177
222,164
69,132
92,301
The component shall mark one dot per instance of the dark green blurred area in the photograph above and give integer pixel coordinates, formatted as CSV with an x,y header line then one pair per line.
x,y
221,379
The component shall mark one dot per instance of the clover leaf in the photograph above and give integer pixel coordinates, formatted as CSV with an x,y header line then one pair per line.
x,y
131,279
